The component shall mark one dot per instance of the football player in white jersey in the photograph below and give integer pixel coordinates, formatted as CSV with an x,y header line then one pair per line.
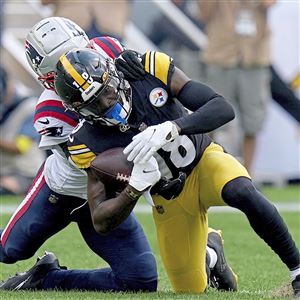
x,y
58,194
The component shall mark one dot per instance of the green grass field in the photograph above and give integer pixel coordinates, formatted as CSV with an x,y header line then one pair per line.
x,y
261,274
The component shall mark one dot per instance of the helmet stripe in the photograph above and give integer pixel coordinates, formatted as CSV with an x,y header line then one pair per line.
x,y
72,71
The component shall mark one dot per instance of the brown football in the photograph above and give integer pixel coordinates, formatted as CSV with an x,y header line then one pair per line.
x,y
112,168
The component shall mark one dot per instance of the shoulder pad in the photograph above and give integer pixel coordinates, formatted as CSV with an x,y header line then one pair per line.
x,y
50,105
158,64
111,46
52,121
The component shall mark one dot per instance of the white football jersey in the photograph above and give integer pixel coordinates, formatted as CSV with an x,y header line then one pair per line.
x,y
63,177
54,124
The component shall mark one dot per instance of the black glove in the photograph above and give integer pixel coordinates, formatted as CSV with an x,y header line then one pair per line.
x,y
129,63
169,188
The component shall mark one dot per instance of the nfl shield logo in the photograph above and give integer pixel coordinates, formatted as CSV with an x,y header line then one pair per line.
x,y
158,97
34,56
53,199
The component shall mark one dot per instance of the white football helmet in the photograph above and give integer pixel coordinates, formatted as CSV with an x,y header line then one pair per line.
x,y
47,41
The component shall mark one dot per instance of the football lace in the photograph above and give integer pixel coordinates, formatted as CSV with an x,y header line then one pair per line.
x,y
123,177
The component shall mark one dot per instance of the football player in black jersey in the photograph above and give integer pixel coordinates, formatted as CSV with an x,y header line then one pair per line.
x,y
150,118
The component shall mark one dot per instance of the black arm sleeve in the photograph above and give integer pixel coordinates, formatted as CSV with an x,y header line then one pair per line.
x,y
210,110
284,96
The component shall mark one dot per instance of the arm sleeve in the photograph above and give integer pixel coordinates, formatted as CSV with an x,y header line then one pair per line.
x,y
210,110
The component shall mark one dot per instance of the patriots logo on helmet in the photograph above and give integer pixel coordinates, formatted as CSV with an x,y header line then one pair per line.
x,y
75,30
35,57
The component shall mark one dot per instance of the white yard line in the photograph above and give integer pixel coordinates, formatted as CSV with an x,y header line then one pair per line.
x,y
144,208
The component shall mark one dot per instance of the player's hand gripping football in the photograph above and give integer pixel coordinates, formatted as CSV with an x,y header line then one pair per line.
x,y
146,143
144,176
129,63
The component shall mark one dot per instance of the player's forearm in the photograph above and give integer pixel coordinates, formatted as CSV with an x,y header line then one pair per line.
x,y
111,213
210,116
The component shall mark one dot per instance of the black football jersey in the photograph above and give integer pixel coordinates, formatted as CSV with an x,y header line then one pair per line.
x,y
152,103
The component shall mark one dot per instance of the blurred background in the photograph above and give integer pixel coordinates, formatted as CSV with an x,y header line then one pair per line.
x,y
174,27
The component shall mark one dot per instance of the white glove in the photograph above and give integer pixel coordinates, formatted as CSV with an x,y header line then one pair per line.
x,y
144,176
146,143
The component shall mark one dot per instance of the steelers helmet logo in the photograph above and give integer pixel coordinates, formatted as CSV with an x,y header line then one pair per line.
x,y
158,97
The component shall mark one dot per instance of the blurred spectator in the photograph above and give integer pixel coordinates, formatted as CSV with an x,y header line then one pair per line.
x,y
20,156
238,59
170,39
97,18
285,95
165,34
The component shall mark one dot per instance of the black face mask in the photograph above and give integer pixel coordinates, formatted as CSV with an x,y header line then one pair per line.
x,y
101,103
108,104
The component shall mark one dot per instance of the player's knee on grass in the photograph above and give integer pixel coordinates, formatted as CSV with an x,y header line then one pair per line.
x,y
142,273
9,254
6,258
3,256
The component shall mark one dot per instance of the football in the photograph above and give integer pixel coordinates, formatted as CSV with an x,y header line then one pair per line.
x,y
112,168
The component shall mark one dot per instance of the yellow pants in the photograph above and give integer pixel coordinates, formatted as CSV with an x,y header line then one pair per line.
x,y
182,224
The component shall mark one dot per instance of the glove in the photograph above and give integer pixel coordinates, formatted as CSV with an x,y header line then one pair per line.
x,y
144,176
146,143
129,63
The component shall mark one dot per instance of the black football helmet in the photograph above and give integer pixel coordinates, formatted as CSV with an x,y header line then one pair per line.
x,y
90,85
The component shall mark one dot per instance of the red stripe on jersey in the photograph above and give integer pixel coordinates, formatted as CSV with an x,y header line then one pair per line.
x,y
56,115
38,183
113,43
50,103
105,48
